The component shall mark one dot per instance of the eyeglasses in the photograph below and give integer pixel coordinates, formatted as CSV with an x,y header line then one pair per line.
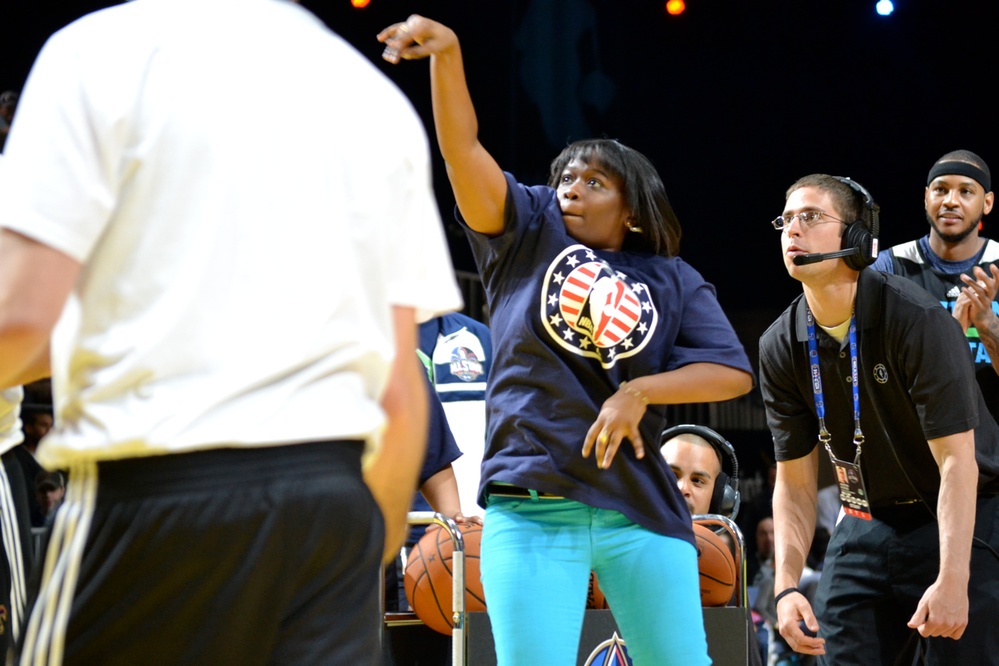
x,y
808,219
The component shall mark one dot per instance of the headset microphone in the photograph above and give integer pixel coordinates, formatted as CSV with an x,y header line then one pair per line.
x,y
804,259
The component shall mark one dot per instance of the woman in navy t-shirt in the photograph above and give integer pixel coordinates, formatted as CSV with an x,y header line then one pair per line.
x,y
596,325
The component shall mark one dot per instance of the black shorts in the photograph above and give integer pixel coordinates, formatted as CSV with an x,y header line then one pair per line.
x,y
16,553
234,556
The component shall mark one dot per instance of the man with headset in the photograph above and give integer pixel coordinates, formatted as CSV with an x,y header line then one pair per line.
x,y
694,453
873,369
956,264
707,473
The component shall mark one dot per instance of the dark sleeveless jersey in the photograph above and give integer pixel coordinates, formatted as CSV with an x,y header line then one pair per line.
x,y
915,261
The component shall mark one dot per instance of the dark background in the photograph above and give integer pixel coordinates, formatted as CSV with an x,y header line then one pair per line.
x,y
732,101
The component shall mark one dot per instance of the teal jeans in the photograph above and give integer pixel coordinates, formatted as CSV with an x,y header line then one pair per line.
x,y
535,564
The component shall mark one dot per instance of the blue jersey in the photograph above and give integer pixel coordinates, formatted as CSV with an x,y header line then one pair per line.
x,y
460,351
569,324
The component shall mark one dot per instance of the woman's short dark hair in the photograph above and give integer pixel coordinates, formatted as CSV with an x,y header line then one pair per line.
x,y
644,192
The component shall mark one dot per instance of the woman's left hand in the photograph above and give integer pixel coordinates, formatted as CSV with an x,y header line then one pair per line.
x,y
618,419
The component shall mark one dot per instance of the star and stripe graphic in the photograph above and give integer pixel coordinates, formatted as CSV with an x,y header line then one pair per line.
x,y
593,310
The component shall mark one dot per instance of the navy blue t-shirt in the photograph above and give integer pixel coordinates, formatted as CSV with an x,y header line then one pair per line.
x,y
569,324
442,450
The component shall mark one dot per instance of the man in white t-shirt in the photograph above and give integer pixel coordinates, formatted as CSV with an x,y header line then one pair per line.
x,y
224,317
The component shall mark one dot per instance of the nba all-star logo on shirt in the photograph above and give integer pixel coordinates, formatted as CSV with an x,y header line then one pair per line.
x,y
593,310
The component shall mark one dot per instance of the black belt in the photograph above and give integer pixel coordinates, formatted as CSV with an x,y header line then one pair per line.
x,y
503,490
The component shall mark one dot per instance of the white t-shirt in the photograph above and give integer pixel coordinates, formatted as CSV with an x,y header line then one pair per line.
x,y
247,195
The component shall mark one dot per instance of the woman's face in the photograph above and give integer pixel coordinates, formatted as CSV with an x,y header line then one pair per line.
x,y
593,205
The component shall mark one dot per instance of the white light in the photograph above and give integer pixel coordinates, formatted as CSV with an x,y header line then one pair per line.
x,y
885,7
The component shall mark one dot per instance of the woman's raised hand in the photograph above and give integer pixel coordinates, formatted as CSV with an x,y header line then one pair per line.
x,y
415,38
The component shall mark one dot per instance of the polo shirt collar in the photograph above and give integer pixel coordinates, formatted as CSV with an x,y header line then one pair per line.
x,y
868,306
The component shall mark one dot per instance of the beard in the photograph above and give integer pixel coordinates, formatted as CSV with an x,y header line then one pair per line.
x,y
960,235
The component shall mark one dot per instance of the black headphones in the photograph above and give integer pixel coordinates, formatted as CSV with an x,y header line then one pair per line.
x,y
863,233
725,498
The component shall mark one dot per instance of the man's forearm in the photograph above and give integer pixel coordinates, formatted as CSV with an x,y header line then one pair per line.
x,y
795,505
392,475
956,516
35,281
23,359
793,532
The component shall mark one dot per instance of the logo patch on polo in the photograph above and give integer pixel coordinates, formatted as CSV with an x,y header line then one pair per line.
x,y
593,310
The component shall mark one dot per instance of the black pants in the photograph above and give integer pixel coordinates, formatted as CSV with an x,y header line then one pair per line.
x,y
229,556
874,576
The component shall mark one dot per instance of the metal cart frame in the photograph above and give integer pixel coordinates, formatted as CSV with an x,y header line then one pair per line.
x,y
458,616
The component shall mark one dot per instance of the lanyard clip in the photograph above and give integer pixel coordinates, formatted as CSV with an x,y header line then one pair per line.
x,y
824,438
858,441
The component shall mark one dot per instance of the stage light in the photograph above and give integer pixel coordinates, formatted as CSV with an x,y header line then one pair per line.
x,y
360,4
675,7
884,7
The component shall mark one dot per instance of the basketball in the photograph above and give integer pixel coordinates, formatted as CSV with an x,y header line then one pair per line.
x,y
716,566
594,595
428,578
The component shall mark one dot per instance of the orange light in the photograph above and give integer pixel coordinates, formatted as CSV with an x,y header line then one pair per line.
x,y
360,4
675,7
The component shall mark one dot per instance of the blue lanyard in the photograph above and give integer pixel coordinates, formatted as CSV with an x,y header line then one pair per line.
x,y
820,406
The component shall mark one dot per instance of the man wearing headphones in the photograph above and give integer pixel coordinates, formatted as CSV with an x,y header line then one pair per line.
x,y
954,263
694,453
707,472
873,369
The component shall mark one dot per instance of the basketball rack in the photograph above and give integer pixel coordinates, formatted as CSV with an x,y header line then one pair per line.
x,y
714,521
458,616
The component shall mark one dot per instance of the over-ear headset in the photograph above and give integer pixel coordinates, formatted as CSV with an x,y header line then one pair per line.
x,y
725,499
861,234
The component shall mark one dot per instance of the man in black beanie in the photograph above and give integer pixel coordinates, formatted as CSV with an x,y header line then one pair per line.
x,y
954,263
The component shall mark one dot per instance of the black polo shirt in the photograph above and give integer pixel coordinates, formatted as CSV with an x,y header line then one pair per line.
x,y
916,383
